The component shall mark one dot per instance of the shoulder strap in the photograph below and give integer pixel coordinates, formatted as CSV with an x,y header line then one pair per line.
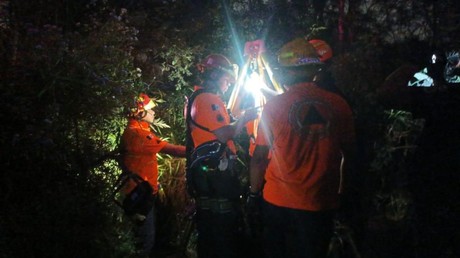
x,y
189,108
189,146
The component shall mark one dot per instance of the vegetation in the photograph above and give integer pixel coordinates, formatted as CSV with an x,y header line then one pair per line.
x,y
69,70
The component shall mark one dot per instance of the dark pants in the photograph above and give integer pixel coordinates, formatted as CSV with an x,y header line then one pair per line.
x,y
217,233
145,233
296,233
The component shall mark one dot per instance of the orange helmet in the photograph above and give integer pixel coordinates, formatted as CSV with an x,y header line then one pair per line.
x,y
322,48
216,63
297,53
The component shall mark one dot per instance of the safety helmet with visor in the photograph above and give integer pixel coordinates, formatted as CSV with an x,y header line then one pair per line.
x,y
298,61
298,52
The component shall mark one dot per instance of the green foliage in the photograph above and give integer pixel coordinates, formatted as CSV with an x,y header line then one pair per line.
x,y
80,81
177,64
173,200
400,140
391,162
69,70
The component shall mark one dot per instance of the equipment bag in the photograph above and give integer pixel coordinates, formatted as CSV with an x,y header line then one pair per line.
x,y
211,172
139,200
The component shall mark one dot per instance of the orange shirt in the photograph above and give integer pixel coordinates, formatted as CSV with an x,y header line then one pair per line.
x,y
305,128
209,111
140,148
252,136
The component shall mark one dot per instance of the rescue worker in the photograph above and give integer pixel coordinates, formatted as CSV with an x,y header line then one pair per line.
x,y
139,147
309,132
211,154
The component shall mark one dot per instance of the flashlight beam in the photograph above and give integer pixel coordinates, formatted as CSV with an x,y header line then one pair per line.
x,y
270,75
237,88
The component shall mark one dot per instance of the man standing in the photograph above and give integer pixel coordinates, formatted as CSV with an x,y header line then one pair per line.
x,y
139,146
212,179
309,133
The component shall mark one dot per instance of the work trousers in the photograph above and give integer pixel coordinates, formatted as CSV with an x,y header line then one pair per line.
x,y
217,233
145,233
296,233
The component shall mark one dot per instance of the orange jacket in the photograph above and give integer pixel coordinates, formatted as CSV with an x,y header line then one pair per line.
x,y
306,128
209,111
140,147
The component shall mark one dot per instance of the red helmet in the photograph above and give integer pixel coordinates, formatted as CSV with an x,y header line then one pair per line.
x,y
216,62
143,102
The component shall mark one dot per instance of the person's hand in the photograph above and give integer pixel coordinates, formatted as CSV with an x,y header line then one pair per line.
x,y
253,205
138,219
250,114
253,202
233,118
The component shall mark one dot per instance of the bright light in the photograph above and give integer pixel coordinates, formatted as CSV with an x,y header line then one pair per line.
x,y
253,85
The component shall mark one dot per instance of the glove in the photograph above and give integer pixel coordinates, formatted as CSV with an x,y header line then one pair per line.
x,y
138,218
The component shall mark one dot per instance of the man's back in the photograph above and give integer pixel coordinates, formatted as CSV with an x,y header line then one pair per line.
x,y
307,127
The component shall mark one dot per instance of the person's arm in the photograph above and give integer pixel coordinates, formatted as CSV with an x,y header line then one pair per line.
x,y
227,132
257,168
174,150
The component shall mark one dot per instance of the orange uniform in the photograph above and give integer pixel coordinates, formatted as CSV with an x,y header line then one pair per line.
x,y
305,128
140,146
212,115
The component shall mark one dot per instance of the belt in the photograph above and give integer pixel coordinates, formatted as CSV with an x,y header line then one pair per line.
x,y
217,205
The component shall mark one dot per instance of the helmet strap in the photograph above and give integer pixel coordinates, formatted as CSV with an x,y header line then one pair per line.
x,y
142,114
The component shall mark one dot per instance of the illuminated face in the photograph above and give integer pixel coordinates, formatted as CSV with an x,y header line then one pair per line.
x,y
224,82
150,116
